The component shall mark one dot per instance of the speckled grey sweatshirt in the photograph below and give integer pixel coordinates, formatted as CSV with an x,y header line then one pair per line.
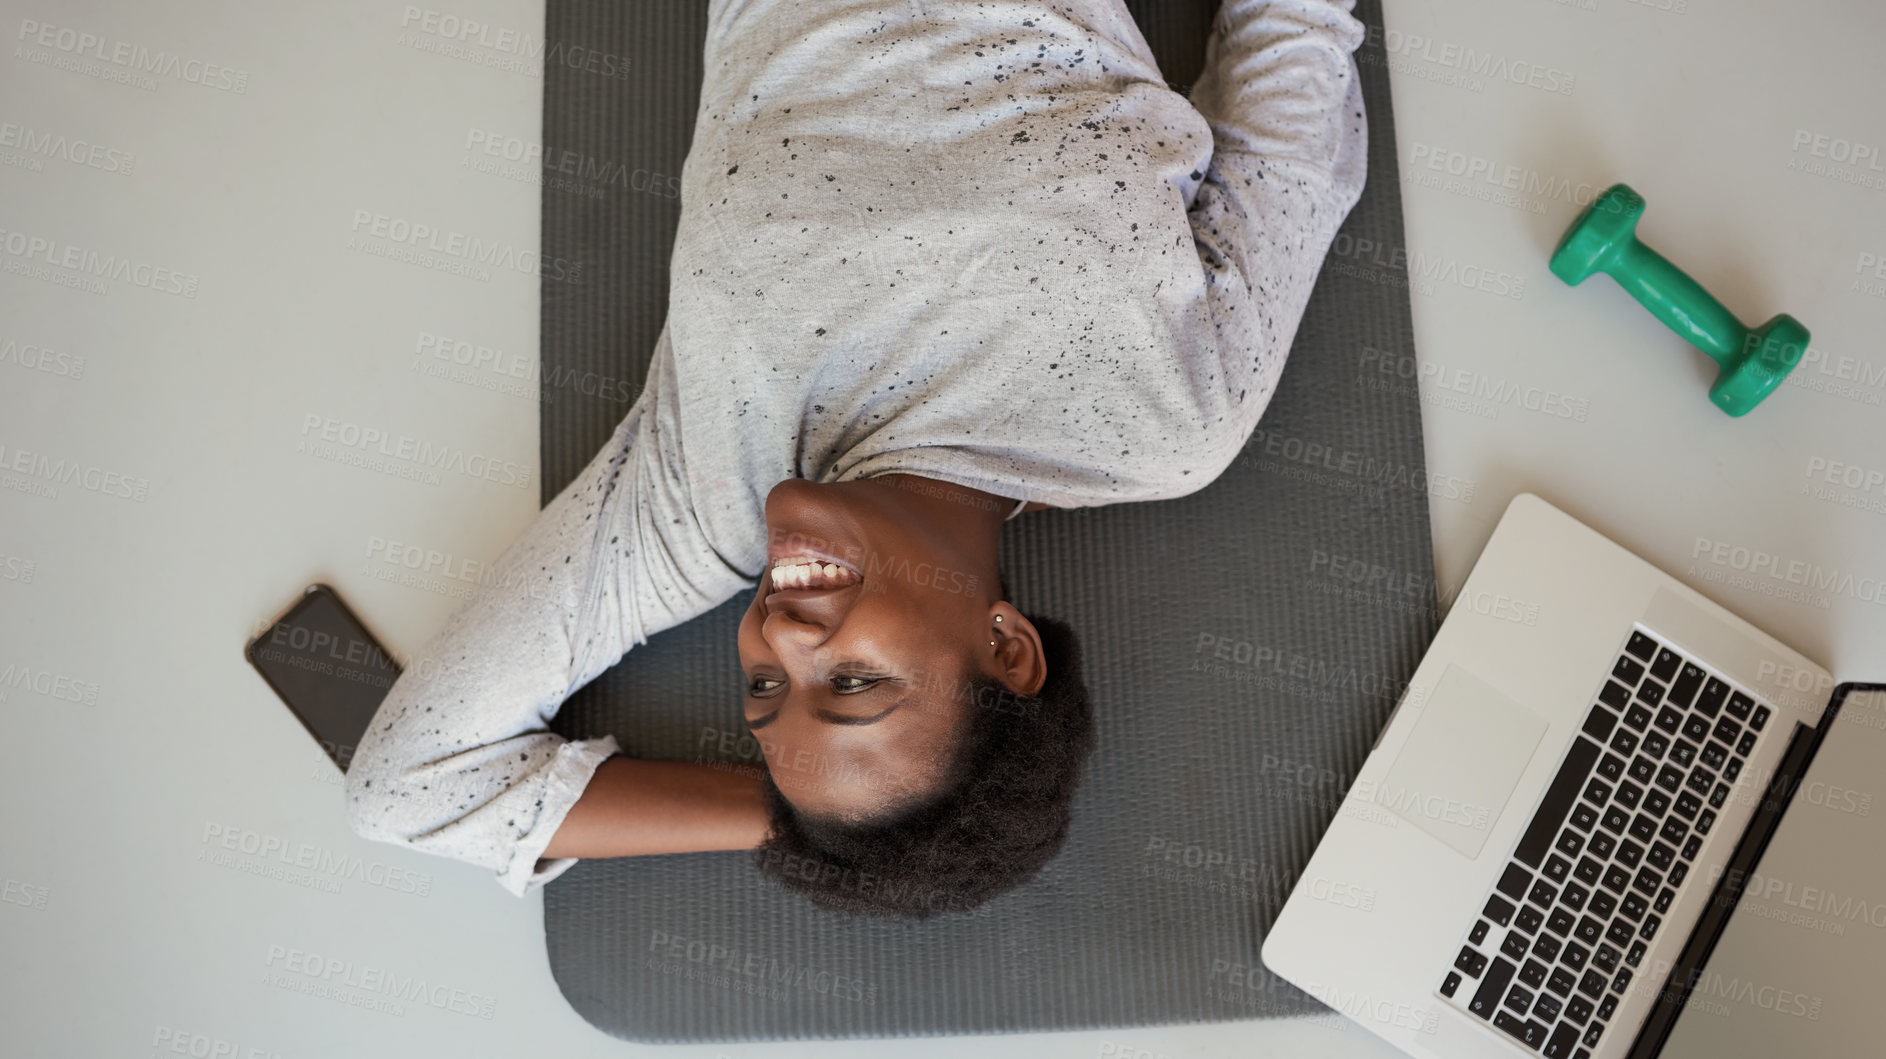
x,y
976,240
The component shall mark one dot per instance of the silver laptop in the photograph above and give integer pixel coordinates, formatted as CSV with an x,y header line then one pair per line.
x,y
1556,847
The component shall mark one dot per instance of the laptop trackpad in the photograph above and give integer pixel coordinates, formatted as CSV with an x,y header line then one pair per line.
x,y
1460,763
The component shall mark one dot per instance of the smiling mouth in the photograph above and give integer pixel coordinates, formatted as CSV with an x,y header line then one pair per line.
x,y
810,572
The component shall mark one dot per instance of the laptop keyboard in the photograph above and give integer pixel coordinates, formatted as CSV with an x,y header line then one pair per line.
x,y
1608,851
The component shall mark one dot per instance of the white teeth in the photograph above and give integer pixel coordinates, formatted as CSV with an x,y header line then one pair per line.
x,y
810,572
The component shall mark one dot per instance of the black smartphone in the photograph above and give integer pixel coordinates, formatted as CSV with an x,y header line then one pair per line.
x,y
327,668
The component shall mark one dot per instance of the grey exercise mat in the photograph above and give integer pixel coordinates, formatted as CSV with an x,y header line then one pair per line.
x,y
1243,648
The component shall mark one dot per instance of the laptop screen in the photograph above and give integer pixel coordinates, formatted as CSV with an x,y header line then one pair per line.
x,y
1799,966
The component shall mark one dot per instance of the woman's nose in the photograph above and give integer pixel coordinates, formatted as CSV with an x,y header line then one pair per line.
x,y
793,623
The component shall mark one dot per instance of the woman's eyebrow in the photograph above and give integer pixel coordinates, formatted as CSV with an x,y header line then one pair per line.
x,y
838,718
830,717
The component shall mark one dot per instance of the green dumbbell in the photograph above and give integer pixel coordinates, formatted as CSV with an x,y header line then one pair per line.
x,y
1753,362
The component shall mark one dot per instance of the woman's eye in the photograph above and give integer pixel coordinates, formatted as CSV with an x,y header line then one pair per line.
x,y
762,685
861,683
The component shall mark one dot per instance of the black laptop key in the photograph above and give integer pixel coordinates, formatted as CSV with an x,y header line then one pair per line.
x,y
1647,881
1628,794
1629,670
1592,1033
1607,1008
1533,974
1738,705
1650,693
1616,820
1597,792
1623,741
1479,932
1683,753
1700,780
1588,871
1636,955
1515,882
1584,818
1669,720
1518,999
1603,904
1614,695
1578,1010
1642,769
1599,722
1611,767
1573,897
1760,720
1656,803
1589,930
1733,769
1705,821
1686,684
1637,717
1592,985
1575,957
1715,755
1656,744
1499,910
1651,925
1546,1007
1674,832
1745,744
1616,879
1678,872
1569,843
1710,701
1451,984
1601,846
1528,919
1470,962
1542,894
1630,853
1691,847
1559,922
1527,1032
1641,647
1564,1039
1661,855
1605,960
1514,946
1687,805
1633,908
1696,727
1726,731
1666,664
1643,828
1556,868
1670,778
1546,947
1664,897
1619,933
1486,999
1558,802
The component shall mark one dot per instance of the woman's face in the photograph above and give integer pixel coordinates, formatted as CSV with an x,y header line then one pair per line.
x,y
857,679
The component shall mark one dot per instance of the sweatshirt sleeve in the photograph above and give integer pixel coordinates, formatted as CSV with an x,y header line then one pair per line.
x,y
458,760
1282,96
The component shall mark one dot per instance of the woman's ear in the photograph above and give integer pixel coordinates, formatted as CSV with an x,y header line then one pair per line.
x,y
1016,657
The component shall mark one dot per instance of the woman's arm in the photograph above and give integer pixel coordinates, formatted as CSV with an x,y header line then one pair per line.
x,y
1283,97
459,759
632,808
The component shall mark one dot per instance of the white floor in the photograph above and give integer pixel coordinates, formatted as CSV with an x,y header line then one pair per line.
x,y
206,225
